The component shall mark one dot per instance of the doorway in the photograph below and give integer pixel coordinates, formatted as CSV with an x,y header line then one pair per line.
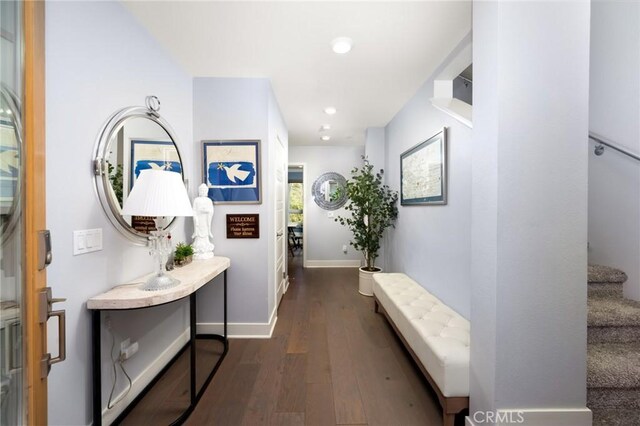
x,y
296,199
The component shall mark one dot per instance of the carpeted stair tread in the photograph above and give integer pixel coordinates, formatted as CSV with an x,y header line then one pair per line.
x,y
613,312
605,274
613,365
615,417
613,398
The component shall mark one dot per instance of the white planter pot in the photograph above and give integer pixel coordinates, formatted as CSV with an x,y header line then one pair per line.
x,y
365,286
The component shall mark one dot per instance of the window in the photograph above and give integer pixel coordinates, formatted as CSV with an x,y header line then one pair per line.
x,y
296,203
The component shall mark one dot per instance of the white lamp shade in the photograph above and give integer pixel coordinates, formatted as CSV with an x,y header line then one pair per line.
x,y
158,193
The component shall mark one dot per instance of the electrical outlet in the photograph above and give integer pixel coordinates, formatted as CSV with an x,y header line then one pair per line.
x,y
344,249
125,344
129,351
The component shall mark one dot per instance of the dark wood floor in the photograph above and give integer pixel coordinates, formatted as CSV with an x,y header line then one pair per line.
x,y
331,361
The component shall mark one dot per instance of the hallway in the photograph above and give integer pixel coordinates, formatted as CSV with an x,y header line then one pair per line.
x,y
331,360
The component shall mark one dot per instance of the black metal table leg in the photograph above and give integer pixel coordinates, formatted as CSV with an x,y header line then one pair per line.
x,y
192,342
225,309
96,368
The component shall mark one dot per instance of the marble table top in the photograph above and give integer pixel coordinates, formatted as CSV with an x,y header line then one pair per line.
x,y
131,296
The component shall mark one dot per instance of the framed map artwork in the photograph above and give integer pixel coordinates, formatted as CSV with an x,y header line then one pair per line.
x,y
423,172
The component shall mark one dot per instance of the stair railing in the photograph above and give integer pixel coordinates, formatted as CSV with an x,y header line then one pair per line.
x,y
601,143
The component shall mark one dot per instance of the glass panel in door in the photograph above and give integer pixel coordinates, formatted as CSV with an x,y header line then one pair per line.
x,y
11,231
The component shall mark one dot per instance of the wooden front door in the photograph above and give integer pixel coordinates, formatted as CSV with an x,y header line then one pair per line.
x,y
23,250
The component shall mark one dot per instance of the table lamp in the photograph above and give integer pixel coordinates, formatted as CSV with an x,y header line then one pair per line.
x,y
160,194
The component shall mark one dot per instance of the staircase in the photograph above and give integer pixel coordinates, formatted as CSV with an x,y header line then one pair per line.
x,y
613,356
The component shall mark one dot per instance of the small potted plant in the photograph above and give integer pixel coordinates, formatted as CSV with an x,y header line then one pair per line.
x,y
373,209
183,254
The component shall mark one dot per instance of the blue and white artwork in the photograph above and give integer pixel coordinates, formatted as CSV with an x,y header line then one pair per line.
x,y
157,155
231,170
231,173
172,166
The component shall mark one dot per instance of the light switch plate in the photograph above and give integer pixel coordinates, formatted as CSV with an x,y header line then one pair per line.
x,y
330,214
87,241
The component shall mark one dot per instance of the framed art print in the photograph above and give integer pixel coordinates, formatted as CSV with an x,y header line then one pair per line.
x,y
423,172
231,170
150,154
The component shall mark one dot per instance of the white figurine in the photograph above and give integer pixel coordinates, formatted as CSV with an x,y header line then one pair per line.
x,y
202,215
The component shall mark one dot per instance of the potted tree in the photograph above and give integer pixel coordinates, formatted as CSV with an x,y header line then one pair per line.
x,y
373,209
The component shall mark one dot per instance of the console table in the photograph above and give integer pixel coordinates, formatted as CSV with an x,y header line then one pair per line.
x,y
130,296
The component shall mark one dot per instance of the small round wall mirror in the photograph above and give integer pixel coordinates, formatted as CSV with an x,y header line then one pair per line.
x,y
132,140
330,191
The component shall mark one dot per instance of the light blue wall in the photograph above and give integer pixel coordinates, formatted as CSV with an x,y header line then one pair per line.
x,y
238,108
529,209
99,60
432,243
324,236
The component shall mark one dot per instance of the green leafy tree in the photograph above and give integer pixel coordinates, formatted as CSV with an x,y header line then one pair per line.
x,y
115,176
373,209
295,202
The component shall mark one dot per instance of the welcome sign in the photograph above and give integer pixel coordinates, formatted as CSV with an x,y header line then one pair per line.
x,y
243,225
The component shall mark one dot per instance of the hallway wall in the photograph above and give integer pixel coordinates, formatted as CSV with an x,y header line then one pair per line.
x,y
99,60
237,109
432,244
324,236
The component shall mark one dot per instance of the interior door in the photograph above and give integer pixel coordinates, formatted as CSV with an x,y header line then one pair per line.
x,y
280,165
24,245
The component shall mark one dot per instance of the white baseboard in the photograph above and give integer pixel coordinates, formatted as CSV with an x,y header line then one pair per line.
x,y
240,330
534,417
144,378
332,264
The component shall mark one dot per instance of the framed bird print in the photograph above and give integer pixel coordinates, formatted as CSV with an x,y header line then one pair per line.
x,y
231,171
152,154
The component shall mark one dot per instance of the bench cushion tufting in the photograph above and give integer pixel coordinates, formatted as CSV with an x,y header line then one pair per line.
x,y
438,335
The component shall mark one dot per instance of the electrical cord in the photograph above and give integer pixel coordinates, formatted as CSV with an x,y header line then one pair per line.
x,y
115,374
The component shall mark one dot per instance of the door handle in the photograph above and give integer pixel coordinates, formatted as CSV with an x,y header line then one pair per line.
x,y
62,336
45,312
44,249
279,234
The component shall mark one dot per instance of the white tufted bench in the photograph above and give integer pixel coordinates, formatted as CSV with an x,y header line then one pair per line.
x,y
436,336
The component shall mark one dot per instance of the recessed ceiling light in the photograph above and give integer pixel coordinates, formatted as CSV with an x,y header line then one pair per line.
x,y
325,137
330,110
342,45
325,127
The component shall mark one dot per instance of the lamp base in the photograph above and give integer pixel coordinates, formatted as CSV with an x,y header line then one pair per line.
x,y
160,282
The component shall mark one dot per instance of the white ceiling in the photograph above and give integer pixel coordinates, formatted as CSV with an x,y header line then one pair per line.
x,y
397,45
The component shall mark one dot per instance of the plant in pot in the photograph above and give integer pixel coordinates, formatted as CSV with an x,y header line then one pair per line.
x,y
373,209
183,254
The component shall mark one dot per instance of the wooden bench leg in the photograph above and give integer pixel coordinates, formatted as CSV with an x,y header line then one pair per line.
x,y
375,307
